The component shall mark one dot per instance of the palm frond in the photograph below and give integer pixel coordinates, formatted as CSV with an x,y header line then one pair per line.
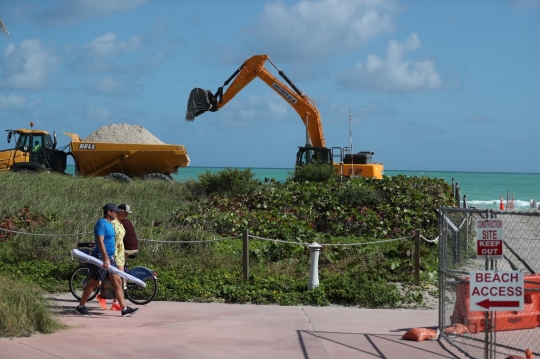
x,y
3,29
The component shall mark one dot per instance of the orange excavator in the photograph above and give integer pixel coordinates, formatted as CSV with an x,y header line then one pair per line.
x,y
347,165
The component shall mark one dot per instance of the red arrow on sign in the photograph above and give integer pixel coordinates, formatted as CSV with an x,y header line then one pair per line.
x,y
486,303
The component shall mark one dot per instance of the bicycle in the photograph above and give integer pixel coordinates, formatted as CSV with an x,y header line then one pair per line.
x,y
136,294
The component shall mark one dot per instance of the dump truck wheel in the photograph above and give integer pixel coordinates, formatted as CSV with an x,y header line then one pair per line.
x,y
118,177
28,167
158,176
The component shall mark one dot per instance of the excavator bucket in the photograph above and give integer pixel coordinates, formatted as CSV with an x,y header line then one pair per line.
x,y
200,101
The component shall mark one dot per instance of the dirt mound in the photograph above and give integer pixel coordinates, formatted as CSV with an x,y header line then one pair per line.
x,y
123,133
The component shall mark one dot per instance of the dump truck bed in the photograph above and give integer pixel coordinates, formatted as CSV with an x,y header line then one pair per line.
x,y
131,159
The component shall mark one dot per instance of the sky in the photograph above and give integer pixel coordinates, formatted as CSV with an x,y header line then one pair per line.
x,y
428,85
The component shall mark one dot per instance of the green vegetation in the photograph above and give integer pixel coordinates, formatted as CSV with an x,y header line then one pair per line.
x,y
24,310
228,183
313,172
361,210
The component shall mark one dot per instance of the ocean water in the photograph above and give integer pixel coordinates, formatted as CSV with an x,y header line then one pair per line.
x,y
483,189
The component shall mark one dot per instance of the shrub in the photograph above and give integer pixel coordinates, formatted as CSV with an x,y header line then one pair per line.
x,y
231,182
314,172
356,194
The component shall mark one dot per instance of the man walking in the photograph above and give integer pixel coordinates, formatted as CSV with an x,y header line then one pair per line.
x,y
105,247
131,243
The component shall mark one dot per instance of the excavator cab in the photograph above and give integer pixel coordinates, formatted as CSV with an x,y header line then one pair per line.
x,y
308,155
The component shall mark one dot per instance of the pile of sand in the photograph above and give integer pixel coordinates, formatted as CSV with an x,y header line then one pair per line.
x,y
123,133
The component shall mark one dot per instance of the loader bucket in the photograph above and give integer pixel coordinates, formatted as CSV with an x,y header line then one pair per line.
x,y
200,101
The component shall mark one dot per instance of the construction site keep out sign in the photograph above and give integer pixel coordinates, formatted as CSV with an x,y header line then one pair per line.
x,y
496,290
489,239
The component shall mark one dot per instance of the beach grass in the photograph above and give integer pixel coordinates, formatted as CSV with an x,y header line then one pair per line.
x,y
24,310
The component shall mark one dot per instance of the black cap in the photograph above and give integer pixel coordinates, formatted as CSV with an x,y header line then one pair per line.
x,y
111,207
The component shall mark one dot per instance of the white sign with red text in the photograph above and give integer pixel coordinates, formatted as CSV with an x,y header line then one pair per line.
x,y
496,290
489,239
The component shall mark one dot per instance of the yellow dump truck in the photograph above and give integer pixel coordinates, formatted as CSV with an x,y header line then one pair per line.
x,y
35,150
131,160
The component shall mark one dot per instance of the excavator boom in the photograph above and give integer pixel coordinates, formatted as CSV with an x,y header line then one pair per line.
x,y
201,100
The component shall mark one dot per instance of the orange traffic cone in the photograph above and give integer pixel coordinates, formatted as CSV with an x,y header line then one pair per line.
x,y
501,205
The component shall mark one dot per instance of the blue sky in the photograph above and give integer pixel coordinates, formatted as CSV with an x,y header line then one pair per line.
x,y
431,85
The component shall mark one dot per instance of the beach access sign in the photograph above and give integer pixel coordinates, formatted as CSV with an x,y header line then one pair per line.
x,y
489,239
496,290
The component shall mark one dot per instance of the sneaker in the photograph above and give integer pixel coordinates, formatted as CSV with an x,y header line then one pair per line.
x,y
102,301
116,306
82,311
128,312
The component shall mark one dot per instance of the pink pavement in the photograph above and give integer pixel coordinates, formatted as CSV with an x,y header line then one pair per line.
x,y
162,330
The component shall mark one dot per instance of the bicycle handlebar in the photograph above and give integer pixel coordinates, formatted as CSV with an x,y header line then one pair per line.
x,y
86,245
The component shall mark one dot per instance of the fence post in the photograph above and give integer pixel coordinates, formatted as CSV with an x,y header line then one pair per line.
x,y
314,249
464,201
245,253
417,256
458,195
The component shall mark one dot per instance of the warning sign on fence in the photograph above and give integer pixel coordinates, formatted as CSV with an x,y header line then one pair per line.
x,y
489,239
496,290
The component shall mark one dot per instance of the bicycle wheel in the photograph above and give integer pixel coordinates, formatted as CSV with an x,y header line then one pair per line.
x,y
78,280
140,295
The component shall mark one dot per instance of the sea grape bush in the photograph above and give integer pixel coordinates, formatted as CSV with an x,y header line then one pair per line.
x,y
363,207
313,172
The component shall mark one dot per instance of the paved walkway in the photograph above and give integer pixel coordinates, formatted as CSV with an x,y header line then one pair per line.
x,y
164,330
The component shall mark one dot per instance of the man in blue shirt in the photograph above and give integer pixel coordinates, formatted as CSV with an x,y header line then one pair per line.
x,y
105,247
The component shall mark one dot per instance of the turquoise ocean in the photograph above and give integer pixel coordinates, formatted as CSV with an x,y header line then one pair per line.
x,y
483,189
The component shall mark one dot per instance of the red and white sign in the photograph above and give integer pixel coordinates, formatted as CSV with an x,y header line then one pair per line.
x,y
496,290
489,239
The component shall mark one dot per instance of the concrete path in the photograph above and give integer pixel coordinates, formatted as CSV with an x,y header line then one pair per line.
x,y
164,330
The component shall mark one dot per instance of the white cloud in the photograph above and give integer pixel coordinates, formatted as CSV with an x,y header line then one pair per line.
x,y
12,102
319,29
73,11
27,66
393,74
105,52
254,109
269,103
106,45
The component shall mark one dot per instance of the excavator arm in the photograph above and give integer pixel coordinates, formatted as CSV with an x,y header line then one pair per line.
x,y
201,100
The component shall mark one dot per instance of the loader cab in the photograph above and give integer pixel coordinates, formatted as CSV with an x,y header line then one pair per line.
x,y
35,150
32,142
308,155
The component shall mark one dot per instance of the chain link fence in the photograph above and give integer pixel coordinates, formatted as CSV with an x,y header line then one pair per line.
x,y
488,334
